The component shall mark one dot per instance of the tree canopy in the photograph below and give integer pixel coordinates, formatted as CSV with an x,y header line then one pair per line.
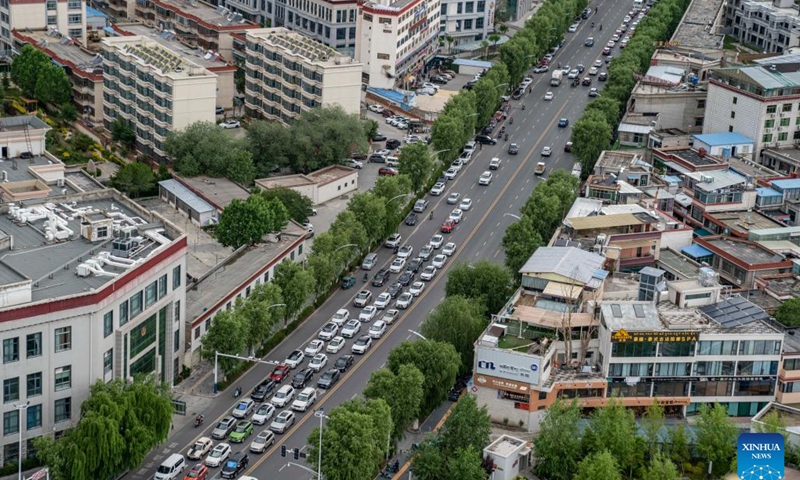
x,y
402,392
26,68
134,179
416,163
557,447
789,312
458,321
246,222
439,363
298,205
202,148
487,282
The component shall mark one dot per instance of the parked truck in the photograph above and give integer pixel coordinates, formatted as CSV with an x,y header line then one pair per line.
x,y
555,80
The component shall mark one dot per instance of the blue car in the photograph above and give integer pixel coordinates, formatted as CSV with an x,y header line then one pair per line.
x,y
563,123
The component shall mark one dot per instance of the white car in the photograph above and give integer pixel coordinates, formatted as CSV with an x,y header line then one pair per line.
x,y
404,300
377,329
453,198
593,71
335,345
368,313
376,108
593,92
389,316
305,399
362,344
383,300
572,29
548,96
283,396
439,261
201,447
450,174
282,422
598,63
437,189
465,156
465,205
264,413
416,289
295,358
425,252
546,151
405,252
328,331
397,265
457,164
244,408
314,347
485,179
319,362
393,240
456,215
218,456
436,241
383,151
351,328
340,317
260,444
431,85
411,139
449,249
427,274
494,164
230,124
573,73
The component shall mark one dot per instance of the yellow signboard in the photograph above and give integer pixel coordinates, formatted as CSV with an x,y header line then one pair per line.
x,y
622,336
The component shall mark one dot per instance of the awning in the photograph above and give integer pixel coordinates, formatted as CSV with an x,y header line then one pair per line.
x,y
696,251
563,290
702,232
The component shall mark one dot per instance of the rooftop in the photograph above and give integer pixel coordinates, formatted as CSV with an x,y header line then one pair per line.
x,y
750,168
27,176
614,160
569,262
751,254
21,122
688,155
789,416
723,138
330,174
609,221
743,221
300,45
204,12
63,50
760,79
682,265
696,28
583,207
505,446
186,196
712,180
200,56
219,192
787,184
159,57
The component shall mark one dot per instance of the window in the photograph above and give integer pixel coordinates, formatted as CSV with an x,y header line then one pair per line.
x,y
33,345
701,104
162,287
785,122
791,364
150,294
63,339
759,347
34,386
782,136
733,114
108,324
108,361
10,426
735,100
136,304
769,123
176,314
63,409
10,389
771,108
75,19
34,416
11,350
197,333
469,7
766,138
123,313
786,107
63,378
460,8
478,23
176,341
176,277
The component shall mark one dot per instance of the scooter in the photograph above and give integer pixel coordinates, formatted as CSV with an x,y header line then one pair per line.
x,y
506,137
237,392
198,420
511,121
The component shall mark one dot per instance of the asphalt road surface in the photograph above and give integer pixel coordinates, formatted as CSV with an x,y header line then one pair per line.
x,y
478,236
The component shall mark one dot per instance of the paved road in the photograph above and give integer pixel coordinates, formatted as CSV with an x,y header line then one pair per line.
x,y
478,236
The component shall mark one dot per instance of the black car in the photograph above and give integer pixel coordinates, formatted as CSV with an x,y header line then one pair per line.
x,y
406,278
602,77
513,149
411,219
358,156
301,378
485,139
438,79
328,378
343,363
414,265
380,278
378,137
392,143
235,464
262,390
395,289
469,85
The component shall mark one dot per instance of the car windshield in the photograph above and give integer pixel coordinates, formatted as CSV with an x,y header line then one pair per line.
x,y
302,397
231,464
241,406
327,375
241,428
216,453
280,394
192,474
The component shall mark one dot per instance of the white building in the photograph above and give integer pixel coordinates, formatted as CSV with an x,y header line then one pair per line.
x,y
66,18
288,73
155,89
772,26
332,23
320,186
510,456
395,40
93,290
467,21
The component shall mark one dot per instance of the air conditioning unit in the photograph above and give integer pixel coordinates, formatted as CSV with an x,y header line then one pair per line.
x,y
771,115
768,130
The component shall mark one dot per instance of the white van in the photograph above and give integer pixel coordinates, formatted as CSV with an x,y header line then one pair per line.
x,y
369,261
171,468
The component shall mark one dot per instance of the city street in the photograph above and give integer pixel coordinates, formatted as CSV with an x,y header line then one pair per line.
x,y
478,236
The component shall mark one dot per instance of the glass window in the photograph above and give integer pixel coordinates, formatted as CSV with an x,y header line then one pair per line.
x,y
162,287
143,336
108,324
150,294
771,108
136,304
176,277
108,361
717,347
785,122
787,107
177,340
63,339
757,368
638,349
63,409
676,349
10,389
34,416
10,425
123,313
791,363
769,123
11,350
63,378
759,347
33,345
34,384
673,369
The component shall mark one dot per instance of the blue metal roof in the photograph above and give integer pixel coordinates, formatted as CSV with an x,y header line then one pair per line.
x,y
786,184
93,12
696,251
767,192
472,63
723,138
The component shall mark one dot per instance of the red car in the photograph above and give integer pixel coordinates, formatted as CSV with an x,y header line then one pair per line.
x,y
606,51
280,372
448,226
198,472
387,172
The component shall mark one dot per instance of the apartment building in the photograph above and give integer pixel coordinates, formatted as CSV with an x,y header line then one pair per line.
x,y
467,21
68,18
288,73
94,290
394,40
331,22
154,89
771,26
739,262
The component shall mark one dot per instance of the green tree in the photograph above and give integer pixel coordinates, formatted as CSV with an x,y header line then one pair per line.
x,y
485,281
661,468
370,210
296,284
607,107
519,242
380,413
591,134
122,131
227,334
26,67
557,447
325,265
789,312
652,424
402,392
240,168
599,466
270,144
246,222
466,464
430,463
68,110
678,446
134,179
439,363
202,148
716,438
259,314
613,428
298,205
388,189
415,161
324,136
52,85
348,229
458,321
468,426
447,136
487,98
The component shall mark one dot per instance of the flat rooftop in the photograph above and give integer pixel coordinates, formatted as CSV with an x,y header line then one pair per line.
x,y
690,155
219,192
217,16
50,265
286,181
197,55
743,221
296,44
21,178
331,174
18,123
749,253
505,446
696,28
64,48
792,153
613,160
679,264
154,54
750,169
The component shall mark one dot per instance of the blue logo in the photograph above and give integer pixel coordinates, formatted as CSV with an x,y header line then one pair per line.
x,y
534,367
760,456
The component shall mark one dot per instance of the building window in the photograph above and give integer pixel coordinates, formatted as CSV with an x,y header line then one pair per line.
x,y
34,416
10,389
785,122
791,364
701,104
34,386
197,333
177,341
733,114
769,123
63,378
479,24
766,138
162,287
108,361
735,100
176,314
150,294
10,426
783,136
730,128
108,324
481,6
123,313
460,8
11,350
63,339
75,19
33,345
176,277
469,7
787,107
63,409
772,108
136,304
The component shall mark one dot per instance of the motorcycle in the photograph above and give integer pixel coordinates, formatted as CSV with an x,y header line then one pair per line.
x,y
592,24
506,137
366,277
237,392
198,420
430,215
511,121
601,27
523,106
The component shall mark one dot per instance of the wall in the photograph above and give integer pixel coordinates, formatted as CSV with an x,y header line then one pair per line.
x,y
676,239
675,109
337,188
341,85
194,100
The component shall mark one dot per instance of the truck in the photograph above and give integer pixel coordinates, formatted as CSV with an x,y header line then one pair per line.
x,y
555,80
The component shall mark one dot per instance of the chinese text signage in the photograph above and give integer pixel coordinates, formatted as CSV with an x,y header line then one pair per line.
x,y
508,365
622,336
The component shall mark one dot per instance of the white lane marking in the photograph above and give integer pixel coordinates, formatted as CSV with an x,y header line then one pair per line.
x,y
281,469
496,254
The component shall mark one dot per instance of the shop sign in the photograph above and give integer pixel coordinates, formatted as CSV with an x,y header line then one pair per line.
x,y
501,384
508,365
623,336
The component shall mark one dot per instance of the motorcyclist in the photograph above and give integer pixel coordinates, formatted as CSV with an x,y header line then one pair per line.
x,y
366,277
601,27
430,215
511,121
592,24
595,9
199,419
506,137
523,106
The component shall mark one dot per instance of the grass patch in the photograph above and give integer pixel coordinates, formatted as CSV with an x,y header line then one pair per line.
x,y
510,342
729,43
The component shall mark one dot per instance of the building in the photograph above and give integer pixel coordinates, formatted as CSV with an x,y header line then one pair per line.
x,y
171,93
760,102
671,96
681,160
93,291
219,192
785,161
67,18
737,223
331,23
22,134
197,210
724,144
510,456
739,262
467,21
772,26
396,39
95,20
288,73
701,28
320,186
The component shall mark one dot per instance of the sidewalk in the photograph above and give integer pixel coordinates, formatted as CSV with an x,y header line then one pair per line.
x,y
197,391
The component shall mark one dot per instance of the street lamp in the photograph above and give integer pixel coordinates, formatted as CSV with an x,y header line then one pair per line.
x,y
239,357
417,334
321,415
20,409
501,85
345,246
512,215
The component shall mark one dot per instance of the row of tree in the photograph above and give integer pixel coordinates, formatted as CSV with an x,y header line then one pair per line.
x,y
38,77
593,132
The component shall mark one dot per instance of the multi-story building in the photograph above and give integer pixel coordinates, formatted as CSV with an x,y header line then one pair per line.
x,y
94,289
467,21
772,26
395,40
154,89
330,22
288,73
66,18
740,262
